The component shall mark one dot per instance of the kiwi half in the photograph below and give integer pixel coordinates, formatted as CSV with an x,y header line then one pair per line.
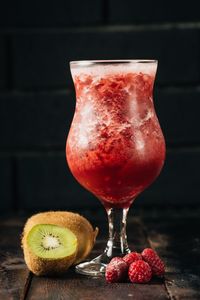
x,y
79,225
49,249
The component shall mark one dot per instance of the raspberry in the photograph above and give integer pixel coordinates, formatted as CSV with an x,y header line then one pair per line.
x,y
116,260
156,264
139,272
116,270
131,257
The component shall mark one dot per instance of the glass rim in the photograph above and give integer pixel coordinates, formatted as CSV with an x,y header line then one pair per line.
x,y
86,63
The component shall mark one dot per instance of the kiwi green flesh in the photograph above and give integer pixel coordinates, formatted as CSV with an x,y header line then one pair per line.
x,y
51,241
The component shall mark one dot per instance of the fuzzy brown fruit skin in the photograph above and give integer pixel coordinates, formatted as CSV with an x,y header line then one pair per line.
x,y
40,266
79,225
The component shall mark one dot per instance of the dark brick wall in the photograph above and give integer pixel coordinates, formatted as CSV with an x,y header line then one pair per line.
x,y
45,13
131,11
44,56
7,185
37,41
3,62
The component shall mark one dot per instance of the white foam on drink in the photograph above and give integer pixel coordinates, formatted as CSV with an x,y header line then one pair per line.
x,y
85,127
101,69
139,141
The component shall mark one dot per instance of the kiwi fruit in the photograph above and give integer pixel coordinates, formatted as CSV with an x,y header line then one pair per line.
x,y
74,222
49,249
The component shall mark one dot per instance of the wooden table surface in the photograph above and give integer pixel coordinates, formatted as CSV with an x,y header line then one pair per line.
x,y
175,235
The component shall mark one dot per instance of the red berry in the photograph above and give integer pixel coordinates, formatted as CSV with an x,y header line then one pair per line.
x,y
131,257
116,270
156,264
139,272
116,260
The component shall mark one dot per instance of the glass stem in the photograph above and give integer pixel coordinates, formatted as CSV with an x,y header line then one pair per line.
x,y
117,244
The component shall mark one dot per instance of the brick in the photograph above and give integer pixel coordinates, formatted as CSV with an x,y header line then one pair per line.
x,y
178,112
3,73
42,120
45,182
178,183
50,14
149,12
41,59
6,184
32,120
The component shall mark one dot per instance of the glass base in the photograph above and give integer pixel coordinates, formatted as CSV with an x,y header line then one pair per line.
x,y
116,245
91,269
97,266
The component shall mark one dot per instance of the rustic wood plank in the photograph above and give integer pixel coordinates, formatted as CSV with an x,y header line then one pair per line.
x,y
176,238
73,286
14,275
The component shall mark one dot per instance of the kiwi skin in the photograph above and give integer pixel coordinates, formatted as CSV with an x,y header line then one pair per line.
x,y
79,225
44,266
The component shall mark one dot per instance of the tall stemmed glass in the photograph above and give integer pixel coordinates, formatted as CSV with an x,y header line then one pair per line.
x,y
115,147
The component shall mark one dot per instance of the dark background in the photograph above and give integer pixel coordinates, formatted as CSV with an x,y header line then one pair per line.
x,y
37,41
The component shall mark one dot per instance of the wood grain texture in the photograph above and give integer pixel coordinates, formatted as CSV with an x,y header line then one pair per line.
x,y
14,275
174,235
74,287
176,239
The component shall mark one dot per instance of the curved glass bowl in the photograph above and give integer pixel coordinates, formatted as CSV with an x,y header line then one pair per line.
x,y
115,147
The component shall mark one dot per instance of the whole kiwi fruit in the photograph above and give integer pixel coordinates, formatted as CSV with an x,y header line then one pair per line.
x,y
77,224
